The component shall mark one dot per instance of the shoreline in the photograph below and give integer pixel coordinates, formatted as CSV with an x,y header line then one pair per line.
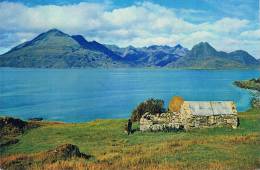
x,y
123,68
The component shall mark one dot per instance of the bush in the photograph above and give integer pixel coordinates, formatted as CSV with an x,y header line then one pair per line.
x,y
153,106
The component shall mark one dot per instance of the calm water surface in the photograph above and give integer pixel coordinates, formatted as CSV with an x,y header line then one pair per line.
x,y
77,95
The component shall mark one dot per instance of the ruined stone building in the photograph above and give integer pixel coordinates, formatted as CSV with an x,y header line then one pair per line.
x,y
192,114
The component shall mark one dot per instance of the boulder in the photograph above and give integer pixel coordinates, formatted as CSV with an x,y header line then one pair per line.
x,y
64,152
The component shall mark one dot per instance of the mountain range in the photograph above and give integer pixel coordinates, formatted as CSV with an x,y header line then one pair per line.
x,y
55,49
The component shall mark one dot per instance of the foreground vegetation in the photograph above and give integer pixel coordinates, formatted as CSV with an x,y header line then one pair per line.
x,y
111,148
153,106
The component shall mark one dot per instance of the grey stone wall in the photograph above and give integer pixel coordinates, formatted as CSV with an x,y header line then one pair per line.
x,y
212,121
175,122
163,122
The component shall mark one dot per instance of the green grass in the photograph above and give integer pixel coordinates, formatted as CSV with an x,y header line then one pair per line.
x,y
213,148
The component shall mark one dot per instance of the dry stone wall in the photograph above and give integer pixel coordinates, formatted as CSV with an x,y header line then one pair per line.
x,y
212,121
163,122
185,119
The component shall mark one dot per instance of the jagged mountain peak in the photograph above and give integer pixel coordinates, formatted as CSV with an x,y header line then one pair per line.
x,y
80,39
240,52
78,36
202,49
169,49
203,45
95,46
51,33
178,46
47,37
55,30
130,47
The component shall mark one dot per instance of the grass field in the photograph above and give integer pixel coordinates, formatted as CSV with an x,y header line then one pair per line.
x,y
111,148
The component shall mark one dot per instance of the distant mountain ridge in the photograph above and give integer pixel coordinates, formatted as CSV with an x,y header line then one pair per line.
x,y
204,56
55,49
155,55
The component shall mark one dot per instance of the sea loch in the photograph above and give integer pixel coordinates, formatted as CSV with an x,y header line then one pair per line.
x,y
78,95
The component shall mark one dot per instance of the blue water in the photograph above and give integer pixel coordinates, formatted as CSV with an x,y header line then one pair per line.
x,y
77,95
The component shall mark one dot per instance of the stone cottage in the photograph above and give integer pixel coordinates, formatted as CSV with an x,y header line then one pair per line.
x,y
192,114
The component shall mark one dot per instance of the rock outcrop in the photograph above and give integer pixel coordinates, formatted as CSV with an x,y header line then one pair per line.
x,y
256,103
64,152
9,125
60,153
10,128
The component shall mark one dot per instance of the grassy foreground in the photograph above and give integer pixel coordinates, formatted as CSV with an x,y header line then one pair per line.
x,y
111,148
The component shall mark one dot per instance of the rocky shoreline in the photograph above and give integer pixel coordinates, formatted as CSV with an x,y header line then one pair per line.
x,y
254,86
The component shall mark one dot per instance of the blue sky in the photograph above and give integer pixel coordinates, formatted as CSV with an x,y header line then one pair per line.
x,y
228,25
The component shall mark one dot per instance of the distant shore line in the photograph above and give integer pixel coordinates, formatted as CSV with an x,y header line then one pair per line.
x,y
122,68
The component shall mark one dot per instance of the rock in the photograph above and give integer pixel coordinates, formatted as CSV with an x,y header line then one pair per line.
x,y
175,104
255,103
64,152
11,126
4,121
6,142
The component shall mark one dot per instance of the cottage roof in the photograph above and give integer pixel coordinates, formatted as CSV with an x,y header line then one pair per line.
x,y
207,108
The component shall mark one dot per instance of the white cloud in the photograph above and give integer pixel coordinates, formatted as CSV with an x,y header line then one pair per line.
x,y
254,34
226,25
16,17
140,24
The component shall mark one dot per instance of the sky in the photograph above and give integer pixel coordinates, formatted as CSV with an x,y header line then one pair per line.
x,y
227,25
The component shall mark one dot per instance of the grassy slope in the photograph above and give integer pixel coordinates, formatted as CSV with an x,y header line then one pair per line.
x,y
217,148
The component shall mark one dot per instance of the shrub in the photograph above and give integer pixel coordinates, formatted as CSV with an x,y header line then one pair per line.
x,y
153,106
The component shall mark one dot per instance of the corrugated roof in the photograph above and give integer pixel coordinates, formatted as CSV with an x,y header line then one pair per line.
x,y
208,108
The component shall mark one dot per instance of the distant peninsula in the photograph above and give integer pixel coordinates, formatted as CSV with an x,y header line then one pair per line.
x,y
253,84
56,49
